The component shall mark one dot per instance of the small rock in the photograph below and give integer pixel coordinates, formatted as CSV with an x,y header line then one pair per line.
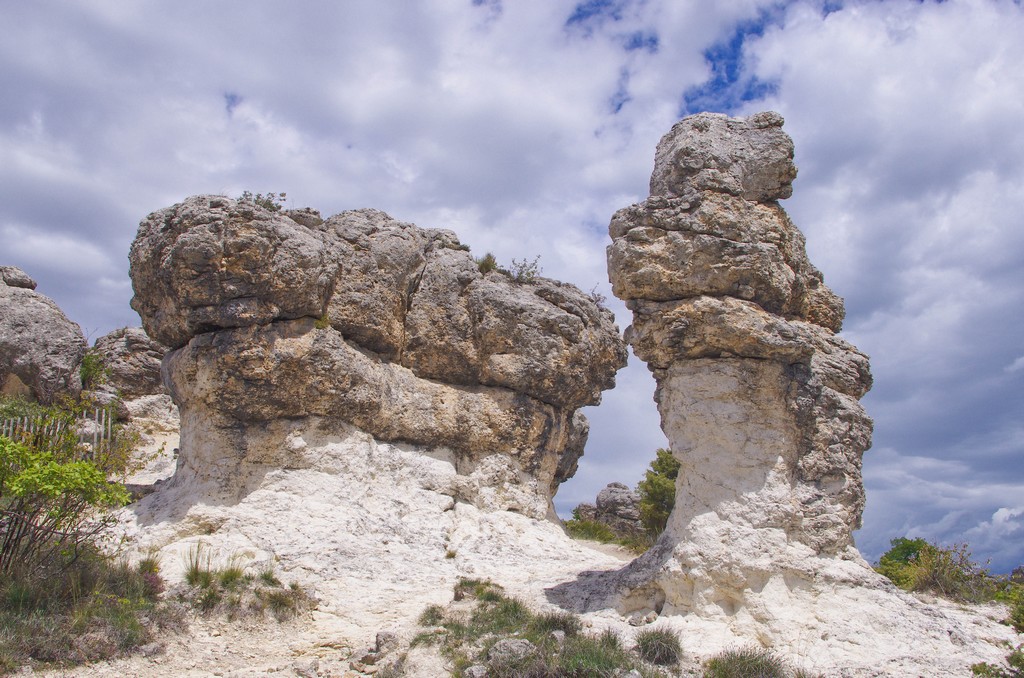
x,y
559,636
386,641
307,669
152,649
511,650
640,619
475,671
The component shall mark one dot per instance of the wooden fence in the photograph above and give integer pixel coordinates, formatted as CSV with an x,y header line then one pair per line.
x,y
94,432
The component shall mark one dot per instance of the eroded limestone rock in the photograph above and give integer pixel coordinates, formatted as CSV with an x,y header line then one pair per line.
x,y
616,506
132,362
758,396
280,319
40,348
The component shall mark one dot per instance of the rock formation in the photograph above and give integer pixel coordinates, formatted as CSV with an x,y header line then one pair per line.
x,y
289,330
759,400
40,349
132,361
616,506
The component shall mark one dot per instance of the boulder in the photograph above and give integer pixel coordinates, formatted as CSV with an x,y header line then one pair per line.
x,y
132,361
277,320
618,507
40,348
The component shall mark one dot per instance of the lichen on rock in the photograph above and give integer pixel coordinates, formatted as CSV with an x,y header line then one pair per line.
x,y
365,321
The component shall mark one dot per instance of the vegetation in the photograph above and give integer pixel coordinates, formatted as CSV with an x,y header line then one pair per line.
x,y
93,371
918,565
53,489
269,201
579,528
747,662
598,298
94,609
659,646
525,271
522,272
63,600
658,492
231,591
1013,669
466,637
487,263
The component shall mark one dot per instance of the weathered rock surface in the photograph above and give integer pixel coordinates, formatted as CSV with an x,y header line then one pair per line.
x,y
40,348
132,360
759,400
616,506
279,317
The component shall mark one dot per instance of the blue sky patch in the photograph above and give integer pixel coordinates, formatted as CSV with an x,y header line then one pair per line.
x,y
596,11
729,86
645,40
231,102
621,96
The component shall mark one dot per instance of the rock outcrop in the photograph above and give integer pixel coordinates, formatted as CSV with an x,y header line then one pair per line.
x,y
132,362
40,348
757,394
288,329
616,506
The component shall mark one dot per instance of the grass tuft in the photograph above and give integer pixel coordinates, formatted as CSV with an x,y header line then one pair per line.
x,y
659,646
745,662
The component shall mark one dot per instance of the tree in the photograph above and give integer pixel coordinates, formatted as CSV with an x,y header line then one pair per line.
x,y
658,492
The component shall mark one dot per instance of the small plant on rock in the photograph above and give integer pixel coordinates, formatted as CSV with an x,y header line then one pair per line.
x,y
269,201
524,272
93,371
487,263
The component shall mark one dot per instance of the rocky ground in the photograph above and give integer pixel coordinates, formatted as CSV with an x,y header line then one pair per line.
x,y
375,554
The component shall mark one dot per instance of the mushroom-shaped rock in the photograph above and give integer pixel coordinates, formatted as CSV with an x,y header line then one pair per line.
x,y
283,321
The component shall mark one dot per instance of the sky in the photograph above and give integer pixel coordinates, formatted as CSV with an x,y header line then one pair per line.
x,y
523,126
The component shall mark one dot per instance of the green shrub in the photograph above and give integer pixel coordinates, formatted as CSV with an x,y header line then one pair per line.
x,y
1014,668
895,563
746,663
199,567
433,615
465,638
268,577
659,646
51,506
1016,618
579,528
93,371
487,263
658,492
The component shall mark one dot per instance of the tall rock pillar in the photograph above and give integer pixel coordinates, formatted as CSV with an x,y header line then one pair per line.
x,y
757,394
